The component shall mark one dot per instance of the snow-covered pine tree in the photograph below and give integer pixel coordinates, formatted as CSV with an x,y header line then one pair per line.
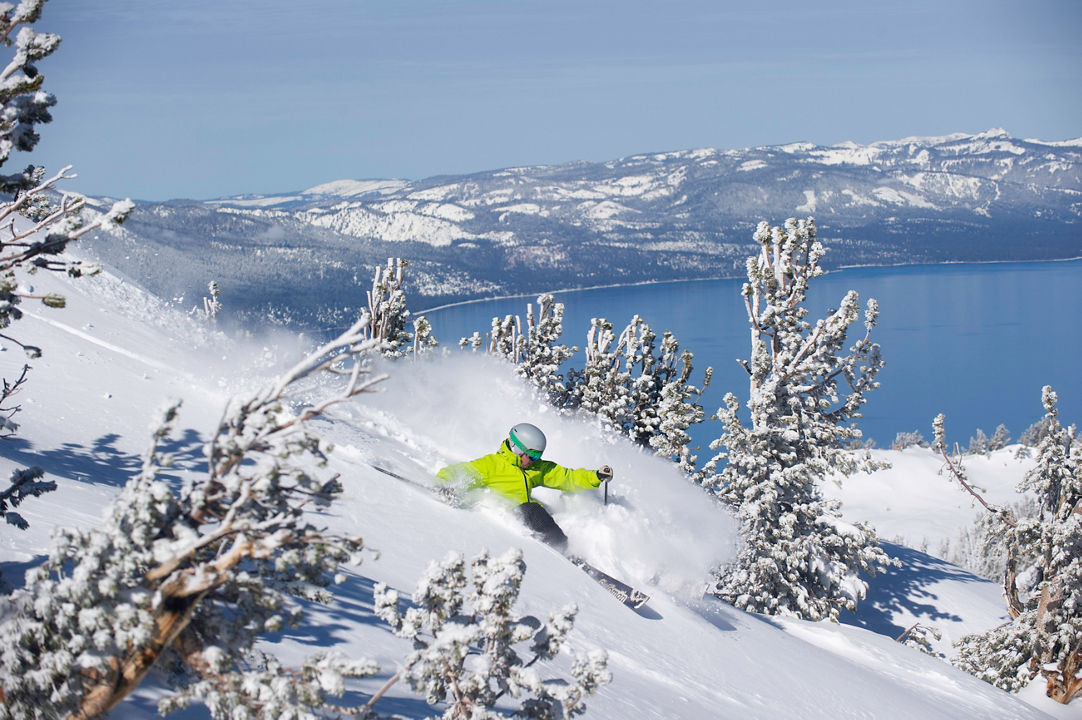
x,y
474,342
650,371
544,354
636,347
538,353
33,231
197,577
640,391
905,440
978,444
603,386
23,104
506,339
665,403
387,309
662,403
423,339
1031,437
798,556
1000,439
211,305
1043,578
677,410
981,444
467,643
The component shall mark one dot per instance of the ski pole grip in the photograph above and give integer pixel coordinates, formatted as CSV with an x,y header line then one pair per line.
x,y
604,474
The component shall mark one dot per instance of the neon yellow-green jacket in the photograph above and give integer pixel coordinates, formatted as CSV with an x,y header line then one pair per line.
x,y
500,473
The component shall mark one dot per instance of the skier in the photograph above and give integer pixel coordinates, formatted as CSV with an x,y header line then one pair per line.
x,y
516,469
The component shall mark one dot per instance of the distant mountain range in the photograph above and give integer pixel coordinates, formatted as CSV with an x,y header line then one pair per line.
x,y
306,258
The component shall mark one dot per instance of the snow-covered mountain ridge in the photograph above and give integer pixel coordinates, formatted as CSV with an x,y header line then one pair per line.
x,y
650,217
115,354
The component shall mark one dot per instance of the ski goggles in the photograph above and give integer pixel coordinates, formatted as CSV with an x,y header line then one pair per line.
x,y
519,449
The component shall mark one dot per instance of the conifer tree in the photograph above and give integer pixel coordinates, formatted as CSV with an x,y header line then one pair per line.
x,y
603,386
197,577
34,231
640,391
23,103
1000,438
544,354
665,404
1043,578
537,353
468,644
798,556
423,339
506,339
389,316
211,305
905,440
643,365
677,410
981,444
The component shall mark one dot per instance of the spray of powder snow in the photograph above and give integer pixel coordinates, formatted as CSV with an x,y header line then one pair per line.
x,y
657,528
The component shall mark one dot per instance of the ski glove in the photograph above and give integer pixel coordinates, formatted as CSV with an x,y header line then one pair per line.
x,y
605,473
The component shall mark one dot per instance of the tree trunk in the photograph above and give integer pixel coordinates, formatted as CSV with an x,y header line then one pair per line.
x,y
126,673
1010,586
1064,682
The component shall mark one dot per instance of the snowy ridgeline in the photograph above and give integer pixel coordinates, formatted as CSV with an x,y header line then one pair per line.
x,y
658,217
114,356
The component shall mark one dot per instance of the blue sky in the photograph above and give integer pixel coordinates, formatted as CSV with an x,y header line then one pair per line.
x,y
206,98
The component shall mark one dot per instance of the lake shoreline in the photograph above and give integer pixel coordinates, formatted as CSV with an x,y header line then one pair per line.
x,y
649,283
972,340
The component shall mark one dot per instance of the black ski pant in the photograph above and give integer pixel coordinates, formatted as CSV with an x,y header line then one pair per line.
x,y
538,519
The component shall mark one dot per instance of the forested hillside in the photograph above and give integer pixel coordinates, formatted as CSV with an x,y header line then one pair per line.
x,y
302,258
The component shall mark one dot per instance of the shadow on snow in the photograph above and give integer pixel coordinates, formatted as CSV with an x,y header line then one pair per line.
x,y
103,462
906,589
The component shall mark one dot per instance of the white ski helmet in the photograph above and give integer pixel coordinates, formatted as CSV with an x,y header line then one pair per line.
x,y
527,439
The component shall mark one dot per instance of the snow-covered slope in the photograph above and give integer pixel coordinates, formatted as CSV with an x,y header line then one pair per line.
x,y
115,355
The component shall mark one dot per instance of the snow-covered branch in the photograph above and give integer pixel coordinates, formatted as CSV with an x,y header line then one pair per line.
x,y
1042,583
466,642
957,471
205,571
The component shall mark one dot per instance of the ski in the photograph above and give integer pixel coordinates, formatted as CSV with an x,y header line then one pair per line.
x,y
403,478
623,592
445,494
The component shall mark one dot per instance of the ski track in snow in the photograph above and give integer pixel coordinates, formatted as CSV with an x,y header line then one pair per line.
x,y
148,361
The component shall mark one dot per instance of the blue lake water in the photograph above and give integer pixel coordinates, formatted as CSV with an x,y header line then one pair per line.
x,y
974,341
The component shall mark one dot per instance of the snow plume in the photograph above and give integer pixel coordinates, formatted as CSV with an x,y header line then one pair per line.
x,y
657,528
